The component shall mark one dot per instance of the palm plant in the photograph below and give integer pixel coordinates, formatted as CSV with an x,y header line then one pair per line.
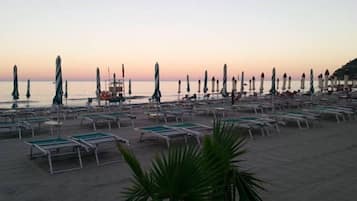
x,y
188,173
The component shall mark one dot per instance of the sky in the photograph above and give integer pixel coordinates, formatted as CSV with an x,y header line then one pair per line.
x,y
185,37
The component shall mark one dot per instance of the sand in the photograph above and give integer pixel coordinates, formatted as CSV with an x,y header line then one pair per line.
x,y
308,164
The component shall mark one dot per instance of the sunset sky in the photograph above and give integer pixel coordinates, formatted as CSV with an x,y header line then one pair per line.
x,y
185,37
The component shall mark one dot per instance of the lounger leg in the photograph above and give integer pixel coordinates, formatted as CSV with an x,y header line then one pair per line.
x,y
250,134
277,128
109,125
307,124
118,123
50,162
262,131
168,143
198,140
20,134
94,127
31,150
298,123
141,137
96,155
338,119
79,157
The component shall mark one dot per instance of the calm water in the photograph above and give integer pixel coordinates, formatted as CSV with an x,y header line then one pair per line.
x,y
42,92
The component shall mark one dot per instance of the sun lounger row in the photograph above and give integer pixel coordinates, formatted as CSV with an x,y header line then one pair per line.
x,y
74,145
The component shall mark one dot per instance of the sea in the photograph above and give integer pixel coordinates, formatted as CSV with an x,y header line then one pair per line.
x,y
42,92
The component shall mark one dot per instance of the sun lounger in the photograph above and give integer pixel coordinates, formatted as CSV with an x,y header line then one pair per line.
x,y
164,132
95,118
52,147
195,129
17,126
246,124
118,116
30,121
93,140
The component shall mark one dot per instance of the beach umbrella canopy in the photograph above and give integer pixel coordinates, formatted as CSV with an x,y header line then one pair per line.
x,y
289,83
188,84
327,74
312,90
28,94
199,86
253,81
242,83
213,82
179,87
284,82
98,90
65,89
224,85
57,99
205,88
157,93
302,84
217,89
261,83
129,90
15,92
273,89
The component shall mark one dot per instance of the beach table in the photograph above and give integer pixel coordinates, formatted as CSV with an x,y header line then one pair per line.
x,y
52,147
165,132
93,140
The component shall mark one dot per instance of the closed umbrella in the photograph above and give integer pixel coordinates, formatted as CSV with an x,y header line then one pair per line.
x,y
261,89
289,83
284,82
217,86
235,85
335,82
65,89
57,99
233,82
188,84
122,71
15,91
250,85
327,74
253,81
213,82
302,86
277,83
345,81
28,94
205,87
179,87
199,86
312,90
98,90
242,84
321,82
114,85
129,90
224,85
157,93
273,89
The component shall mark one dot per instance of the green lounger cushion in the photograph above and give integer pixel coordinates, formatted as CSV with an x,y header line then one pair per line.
x,y
52,141
91,136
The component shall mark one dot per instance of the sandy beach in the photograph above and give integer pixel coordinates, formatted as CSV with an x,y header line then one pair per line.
x,y
297,164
